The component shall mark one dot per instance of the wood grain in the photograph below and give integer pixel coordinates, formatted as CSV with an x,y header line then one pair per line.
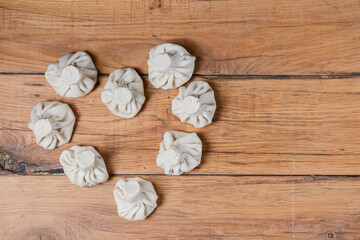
x,y
227,37
275,117
188,207
261,126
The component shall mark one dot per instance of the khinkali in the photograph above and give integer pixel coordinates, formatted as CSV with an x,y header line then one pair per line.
x,y
123,93
170,66
135,198
74,76
195,104
84,166
179,152
52,124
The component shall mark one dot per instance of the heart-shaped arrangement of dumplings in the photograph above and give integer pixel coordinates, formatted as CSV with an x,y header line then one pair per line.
x,y
75,75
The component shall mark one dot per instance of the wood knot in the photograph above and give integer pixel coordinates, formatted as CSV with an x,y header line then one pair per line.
x,y
155,4
8,163
42,233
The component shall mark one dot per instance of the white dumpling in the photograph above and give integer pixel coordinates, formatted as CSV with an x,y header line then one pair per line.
x,y
52,124
195,104
170,66
74,76
123,93
179,152
84,166
135,198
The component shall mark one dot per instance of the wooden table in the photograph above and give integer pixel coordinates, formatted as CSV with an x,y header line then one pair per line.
x,y
280,161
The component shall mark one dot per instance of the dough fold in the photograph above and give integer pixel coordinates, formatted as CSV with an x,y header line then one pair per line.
x,y
195,104
73,76
123,93
84,166
52,124
170,66
135,198
179,152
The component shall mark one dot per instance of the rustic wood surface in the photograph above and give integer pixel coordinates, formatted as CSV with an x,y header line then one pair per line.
x,y
189,207
227,37
262,126
280,161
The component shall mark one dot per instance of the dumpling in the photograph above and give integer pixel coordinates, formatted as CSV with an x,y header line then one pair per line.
x,y
74,76
179,152
195,104
123,93
52,124
84,166
170,66
135,198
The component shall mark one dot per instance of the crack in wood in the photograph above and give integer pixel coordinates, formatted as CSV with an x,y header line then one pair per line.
x,y
9,164
50,171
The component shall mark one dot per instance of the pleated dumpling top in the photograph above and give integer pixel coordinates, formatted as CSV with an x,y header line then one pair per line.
x,y
73,76
195,104
135,198
52,124
123,93
170,66
84,166
179,152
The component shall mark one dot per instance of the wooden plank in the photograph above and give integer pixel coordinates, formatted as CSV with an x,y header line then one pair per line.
x,y
227,37
188,208
240,99
136,155
262,126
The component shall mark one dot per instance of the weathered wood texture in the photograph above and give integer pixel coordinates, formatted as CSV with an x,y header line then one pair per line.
x,y
192,207
264,125
261,126
227,37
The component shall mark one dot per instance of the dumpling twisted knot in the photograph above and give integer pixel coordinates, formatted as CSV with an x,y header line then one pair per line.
x,y
84,166
179,152
135,198
195,104
123,93
52,124
74,76
170,66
